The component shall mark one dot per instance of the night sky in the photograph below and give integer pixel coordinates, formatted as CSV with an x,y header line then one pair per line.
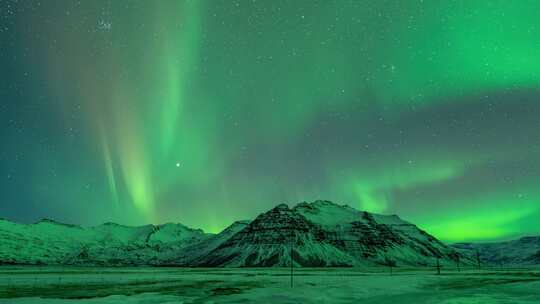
x,y
206,112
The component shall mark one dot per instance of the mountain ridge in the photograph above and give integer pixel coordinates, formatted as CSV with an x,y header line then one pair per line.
x,y
316,234
522,251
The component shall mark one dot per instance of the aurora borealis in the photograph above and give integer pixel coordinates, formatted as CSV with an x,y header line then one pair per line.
x,y
207,112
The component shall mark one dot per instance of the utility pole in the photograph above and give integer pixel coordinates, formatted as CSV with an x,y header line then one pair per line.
x,y
390,263
502,259
478,259
292,244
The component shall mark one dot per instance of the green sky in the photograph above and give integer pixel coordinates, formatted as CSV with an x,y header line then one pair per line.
x,y
206,112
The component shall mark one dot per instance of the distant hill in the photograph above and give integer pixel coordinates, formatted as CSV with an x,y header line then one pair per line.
x,y
524,251
49,242
316,234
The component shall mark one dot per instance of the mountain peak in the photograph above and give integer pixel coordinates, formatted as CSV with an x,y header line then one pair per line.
x,y
317,203
54,222
281,206
45,220
112,224
324,203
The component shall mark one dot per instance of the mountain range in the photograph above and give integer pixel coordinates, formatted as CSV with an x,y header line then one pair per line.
x,y
524,251
316,234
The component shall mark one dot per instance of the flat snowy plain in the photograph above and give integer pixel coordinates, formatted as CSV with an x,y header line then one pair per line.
x,y
263,285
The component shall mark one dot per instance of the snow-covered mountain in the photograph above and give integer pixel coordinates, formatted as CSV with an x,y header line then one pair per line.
x,y
524,251
325,234
314,234
190,254
50,242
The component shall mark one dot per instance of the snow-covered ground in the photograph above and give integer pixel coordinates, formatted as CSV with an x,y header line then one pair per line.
x,y
265,285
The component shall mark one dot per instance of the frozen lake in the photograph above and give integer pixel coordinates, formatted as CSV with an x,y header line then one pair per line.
x,y
197,285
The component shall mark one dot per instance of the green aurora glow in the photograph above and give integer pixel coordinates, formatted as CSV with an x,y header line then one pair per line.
x,y
427,109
